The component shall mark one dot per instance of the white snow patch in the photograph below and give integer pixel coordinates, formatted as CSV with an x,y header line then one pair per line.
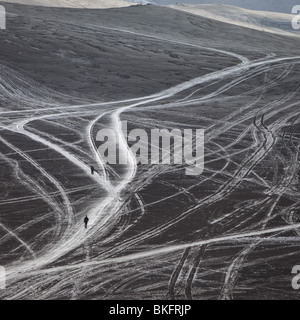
x,y
89,4
272,22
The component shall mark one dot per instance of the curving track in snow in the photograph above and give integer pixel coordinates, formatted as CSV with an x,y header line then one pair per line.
x,y
111,208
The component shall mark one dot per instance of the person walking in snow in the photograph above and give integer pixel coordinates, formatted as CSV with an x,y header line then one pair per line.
x,y
92,170
86,220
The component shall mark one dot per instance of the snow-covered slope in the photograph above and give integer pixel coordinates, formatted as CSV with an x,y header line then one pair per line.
x,y
273,22
283,6
101,4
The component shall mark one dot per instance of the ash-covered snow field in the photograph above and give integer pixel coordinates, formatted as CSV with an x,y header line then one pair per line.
x,y
154,232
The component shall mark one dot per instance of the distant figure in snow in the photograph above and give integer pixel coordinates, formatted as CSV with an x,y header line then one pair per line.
x,y
92,170
86,220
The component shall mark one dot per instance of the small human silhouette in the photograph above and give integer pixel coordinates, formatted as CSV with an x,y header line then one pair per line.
x,y
86,220
92,170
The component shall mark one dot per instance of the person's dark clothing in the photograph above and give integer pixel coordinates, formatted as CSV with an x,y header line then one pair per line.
x,y
86,220
92,169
